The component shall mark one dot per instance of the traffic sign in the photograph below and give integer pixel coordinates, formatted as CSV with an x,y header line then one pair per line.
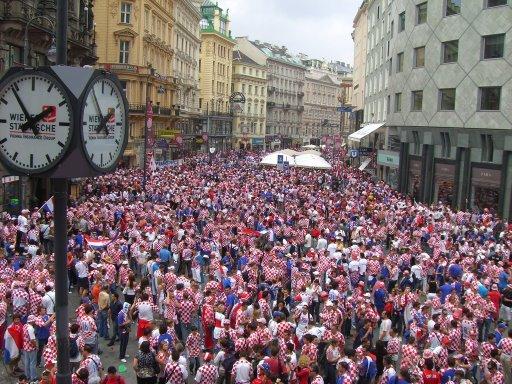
x,y
354,153
280,159
344,108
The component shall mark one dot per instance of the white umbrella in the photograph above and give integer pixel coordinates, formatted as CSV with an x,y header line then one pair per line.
x,y
309,160
271,159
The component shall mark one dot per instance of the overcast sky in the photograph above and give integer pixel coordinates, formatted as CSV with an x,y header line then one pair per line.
x,y
318,28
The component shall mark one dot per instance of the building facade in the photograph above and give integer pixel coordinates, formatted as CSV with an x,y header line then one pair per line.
x,y
328,92
134,40
249,117
449,98
215,72
359,36
185,43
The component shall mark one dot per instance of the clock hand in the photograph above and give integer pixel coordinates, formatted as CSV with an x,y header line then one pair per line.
x,y
25,112
31,123
107,118
97,105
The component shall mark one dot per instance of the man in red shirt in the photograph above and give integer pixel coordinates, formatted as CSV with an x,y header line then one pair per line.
x,y
430,375
112,377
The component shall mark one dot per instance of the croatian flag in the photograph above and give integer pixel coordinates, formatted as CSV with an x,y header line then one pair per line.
x,y
100,243
13,342
48,206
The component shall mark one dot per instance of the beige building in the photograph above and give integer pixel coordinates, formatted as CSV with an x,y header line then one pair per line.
x,y
186,43
249,79
215,74
134,40
359,35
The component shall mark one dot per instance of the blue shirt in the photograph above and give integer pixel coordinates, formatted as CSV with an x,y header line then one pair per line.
x,y
121,318
455,271
445,289
448,375
164,255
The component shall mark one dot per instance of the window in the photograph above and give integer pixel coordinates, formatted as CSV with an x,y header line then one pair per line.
x,y
390,70
398,102
388,104
421,13
124,86
126,10
494,46
487,148
417,100
446,145
496,3
447,99
401,22
419,57
450,51
400,62
490,98
416,142
124,49
452,7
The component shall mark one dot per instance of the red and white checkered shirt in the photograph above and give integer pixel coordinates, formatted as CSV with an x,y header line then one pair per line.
x,y
87,327
50,351
409,356
173,373
194,345
20,302
110,273
29,338
207,374
3,312
186,310
76,380
505,345
486,349
310,350
393,347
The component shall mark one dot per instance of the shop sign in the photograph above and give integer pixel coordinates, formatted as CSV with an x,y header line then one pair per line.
x,y
486,177
122,67
168,132
446,170
365,151
388,158
256,141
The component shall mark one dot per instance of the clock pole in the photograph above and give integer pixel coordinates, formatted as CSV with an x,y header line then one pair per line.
x,y
61,227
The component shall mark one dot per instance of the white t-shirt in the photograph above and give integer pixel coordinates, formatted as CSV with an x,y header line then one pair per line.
x,y
48,302
81,269
22,224
243,371
385,327
362,266
145,311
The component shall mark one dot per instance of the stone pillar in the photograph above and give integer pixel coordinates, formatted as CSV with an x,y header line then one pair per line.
x,y
427,170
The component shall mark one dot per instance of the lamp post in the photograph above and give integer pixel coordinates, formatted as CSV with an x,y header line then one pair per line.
x,y
211,151
52,51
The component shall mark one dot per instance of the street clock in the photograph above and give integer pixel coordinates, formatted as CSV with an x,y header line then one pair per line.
x,y
36,119
104,122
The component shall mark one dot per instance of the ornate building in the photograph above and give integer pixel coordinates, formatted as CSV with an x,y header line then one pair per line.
x,y
134,40
249,79
38,18
186,42
215,74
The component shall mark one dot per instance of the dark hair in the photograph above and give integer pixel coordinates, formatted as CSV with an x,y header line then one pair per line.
x,y
175,355
315,368
429,364
112,370
83,374
144,346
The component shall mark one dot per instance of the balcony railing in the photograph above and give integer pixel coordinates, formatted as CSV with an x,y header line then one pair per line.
x,y
157,110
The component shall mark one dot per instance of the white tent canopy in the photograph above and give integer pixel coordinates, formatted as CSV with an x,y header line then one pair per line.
x,y
271,159
309,160
357,136
310,146
299,159
311,152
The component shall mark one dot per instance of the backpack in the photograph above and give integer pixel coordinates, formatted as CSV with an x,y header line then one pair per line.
x,y
73,348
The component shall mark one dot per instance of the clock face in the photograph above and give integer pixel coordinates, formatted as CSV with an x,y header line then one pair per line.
x,y
104,124
35,122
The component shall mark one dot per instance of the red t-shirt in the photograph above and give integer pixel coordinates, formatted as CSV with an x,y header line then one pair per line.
x,y
431,377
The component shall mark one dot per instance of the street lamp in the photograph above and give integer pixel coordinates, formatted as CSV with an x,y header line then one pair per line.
x,y
52,52
212,151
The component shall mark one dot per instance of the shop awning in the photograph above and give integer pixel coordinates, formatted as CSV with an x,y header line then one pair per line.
x,y
365,164
357,136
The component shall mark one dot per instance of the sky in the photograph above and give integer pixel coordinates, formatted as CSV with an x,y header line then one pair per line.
x,y
319,28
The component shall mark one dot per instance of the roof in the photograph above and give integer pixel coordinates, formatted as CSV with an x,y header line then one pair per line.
x,y
322,77
243,58
277,53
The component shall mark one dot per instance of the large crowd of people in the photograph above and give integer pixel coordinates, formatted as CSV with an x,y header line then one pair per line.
x,y
234,273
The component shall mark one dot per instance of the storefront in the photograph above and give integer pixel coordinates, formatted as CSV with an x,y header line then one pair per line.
x,y
444,183
257,143
10,197
414,178
388,163
485,188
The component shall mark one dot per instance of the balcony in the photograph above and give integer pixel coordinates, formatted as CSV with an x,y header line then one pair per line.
x,y
271,89
300,94
271,104
157,110
287,106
